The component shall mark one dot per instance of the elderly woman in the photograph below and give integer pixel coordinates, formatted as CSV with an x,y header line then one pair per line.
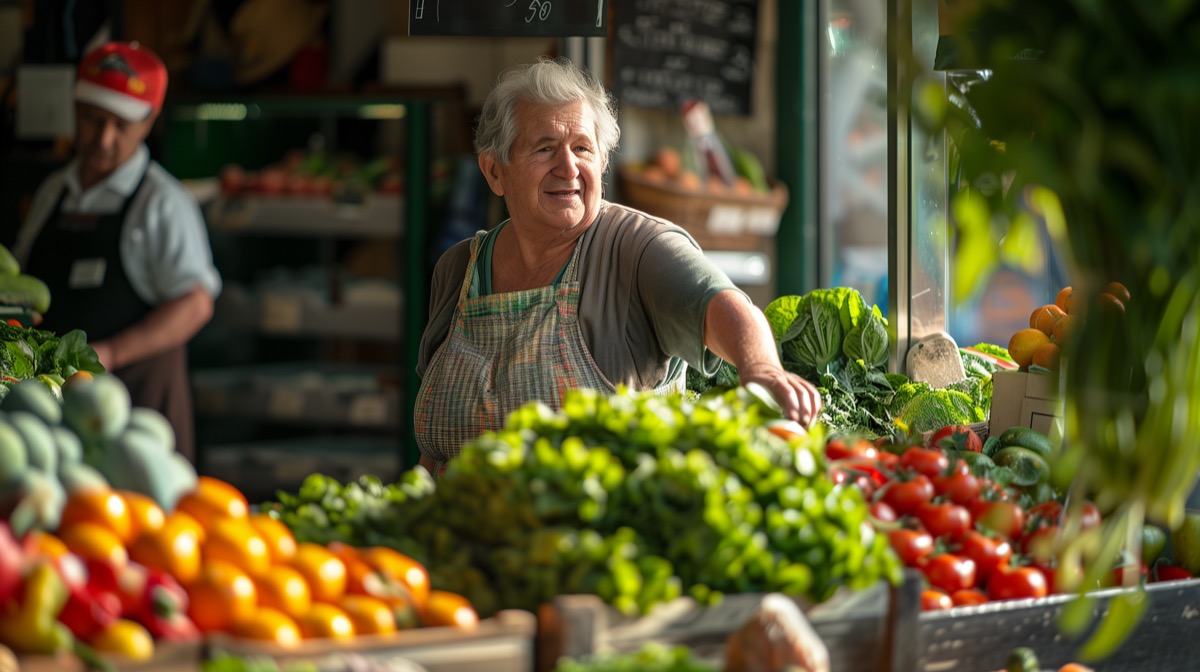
x,y
572,291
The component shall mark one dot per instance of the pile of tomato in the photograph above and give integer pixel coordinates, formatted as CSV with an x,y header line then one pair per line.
x,y
972,538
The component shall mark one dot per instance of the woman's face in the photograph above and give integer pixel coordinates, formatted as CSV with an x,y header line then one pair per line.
x,y
553,178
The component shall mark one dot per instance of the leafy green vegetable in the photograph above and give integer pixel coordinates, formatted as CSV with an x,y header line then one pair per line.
x,y
651,657
781,313
937,408
868,341
815,338
993,350
31,352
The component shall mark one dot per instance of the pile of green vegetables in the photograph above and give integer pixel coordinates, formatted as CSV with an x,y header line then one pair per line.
x,y
29,353
636,498
832,338
651,657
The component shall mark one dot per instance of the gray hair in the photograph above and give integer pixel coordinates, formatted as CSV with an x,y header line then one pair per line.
x,y
549,82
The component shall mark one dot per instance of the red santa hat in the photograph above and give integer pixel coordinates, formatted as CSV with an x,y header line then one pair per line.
x,y
123,78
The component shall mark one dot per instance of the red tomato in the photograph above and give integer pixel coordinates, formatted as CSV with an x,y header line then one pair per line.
x,y
935,600
1118,573
957,437
1013,583
881,511
838,449
1041,515
1039,544
910,545
958,488
1163,572
842,476
944,519
905,496
888,462
968,597
1090,517
1004,518
987,552
927,461
949,572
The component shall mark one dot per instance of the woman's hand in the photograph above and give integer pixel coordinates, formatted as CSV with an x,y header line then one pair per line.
x,y
798,398
739,333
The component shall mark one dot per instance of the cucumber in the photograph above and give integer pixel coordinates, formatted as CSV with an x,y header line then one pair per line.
x,y
8,263
24,290
1026,437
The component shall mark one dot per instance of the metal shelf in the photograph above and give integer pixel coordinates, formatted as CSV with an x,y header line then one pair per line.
x,y
305,315
377,216
300,394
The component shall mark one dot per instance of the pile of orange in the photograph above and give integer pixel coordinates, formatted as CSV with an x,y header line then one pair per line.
x,y
245,573
1052,325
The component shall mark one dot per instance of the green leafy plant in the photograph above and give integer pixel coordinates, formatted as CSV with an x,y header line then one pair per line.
x,y
1101,144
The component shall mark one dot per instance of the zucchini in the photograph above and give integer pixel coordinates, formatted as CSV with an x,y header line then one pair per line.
x,y
1026,437
24,290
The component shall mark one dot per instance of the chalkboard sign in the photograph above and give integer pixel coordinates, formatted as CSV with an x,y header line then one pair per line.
x,y
509,18
667,51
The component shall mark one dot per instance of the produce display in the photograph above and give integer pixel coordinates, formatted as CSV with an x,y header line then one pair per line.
x,y
633,497
835,340
1050,326
315,172
111,543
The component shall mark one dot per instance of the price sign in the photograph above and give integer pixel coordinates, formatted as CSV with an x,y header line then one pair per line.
x,y
509,18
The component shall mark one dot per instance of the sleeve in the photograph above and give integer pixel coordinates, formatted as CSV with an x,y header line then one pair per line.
x,y
180,256
675,284
444,288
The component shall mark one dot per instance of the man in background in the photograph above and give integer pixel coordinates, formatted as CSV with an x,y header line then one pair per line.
x,y
120,242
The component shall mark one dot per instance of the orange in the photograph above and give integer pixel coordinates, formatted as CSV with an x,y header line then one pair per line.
x,y
1023,343
370,615
1045,317
1062,329
400,568
46,545
688,180
77,378
1063,300
324,571
173,548
448,609
187,522
125,639
212,499
325,620
280,541
1118,290
105,508
1046,356
284,589
221,595
234,540
91,541
267,625
404,613
145,515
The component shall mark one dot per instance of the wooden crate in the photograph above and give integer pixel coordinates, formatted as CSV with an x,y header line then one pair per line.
x,y
856,627
168,657
503,643
979,638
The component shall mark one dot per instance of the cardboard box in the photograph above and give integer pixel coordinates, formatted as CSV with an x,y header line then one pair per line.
x,y
1021,399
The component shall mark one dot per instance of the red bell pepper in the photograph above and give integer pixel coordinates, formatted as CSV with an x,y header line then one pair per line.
x,y
163,608
89,611
12,564
126,581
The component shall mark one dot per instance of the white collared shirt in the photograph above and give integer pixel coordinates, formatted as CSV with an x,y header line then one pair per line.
x,y
164,243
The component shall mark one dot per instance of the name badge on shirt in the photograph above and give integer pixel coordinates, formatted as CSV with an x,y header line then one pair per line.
x,y
87,273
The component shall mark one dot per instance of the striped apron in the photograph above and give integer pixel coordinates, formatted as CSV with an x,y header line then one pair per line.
x,y
503,351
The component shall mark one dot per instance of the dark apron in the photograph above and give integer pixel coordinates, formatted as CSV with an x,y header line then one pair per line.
x,y
78,256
